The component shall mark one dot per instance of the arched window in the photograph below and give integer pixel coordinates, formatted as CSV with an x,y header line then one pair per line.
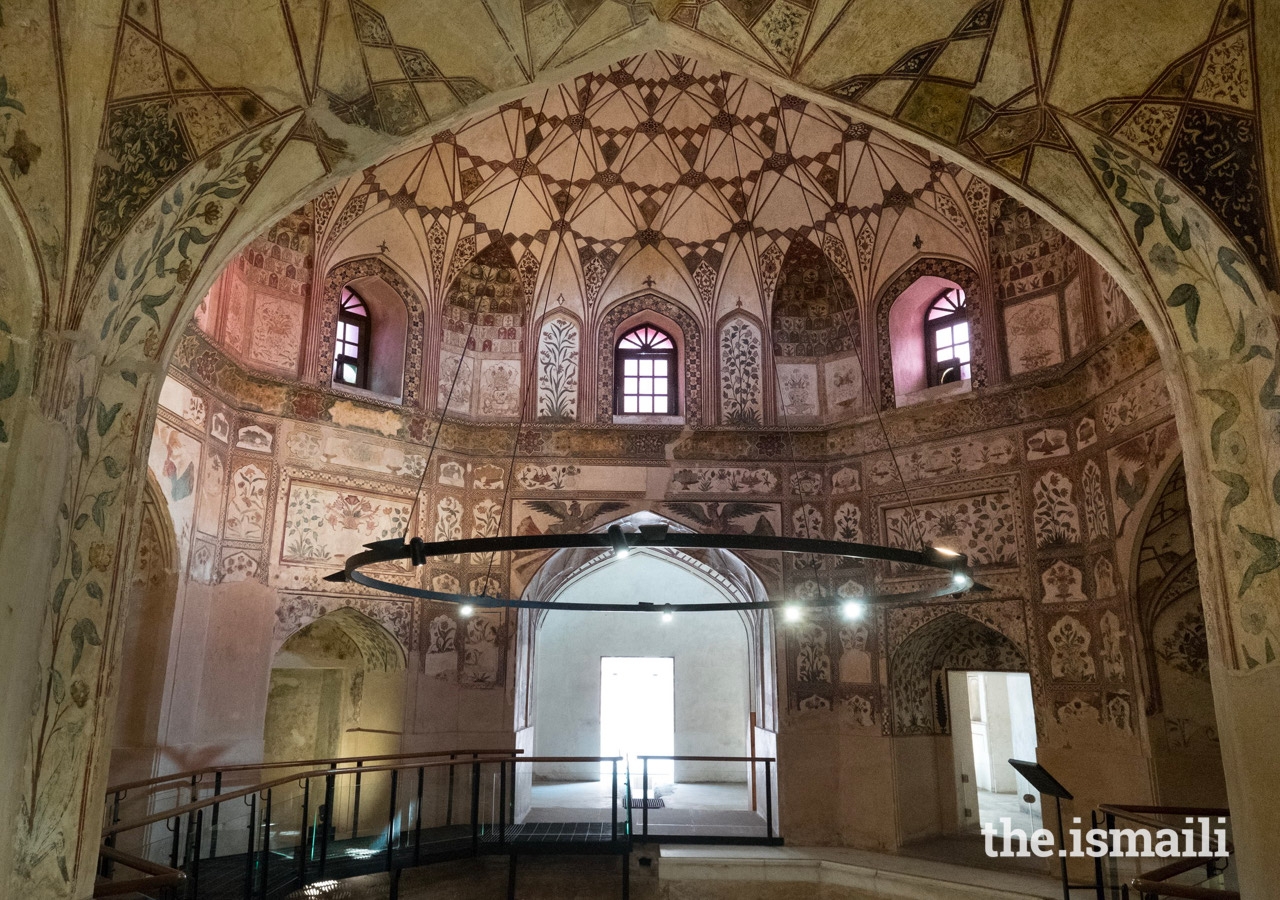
x,y
351,349
645,373
946,326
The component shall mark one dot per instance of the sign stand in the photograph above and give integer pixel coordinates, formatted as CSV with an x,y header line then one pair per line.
x,y
1049,786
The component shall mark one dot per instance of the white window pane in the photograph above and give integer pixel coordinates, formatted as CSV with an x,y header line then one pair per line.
x,y
646,385
342,331
349,373
944,337
944,354
961,331
629,367
660,386
659,367
646,367
629,386
962,353
646,404
964,371
629,404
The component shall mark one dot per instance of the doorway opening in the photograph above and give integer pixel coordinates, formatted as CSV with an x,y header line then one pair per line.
x,y
638,712
993,721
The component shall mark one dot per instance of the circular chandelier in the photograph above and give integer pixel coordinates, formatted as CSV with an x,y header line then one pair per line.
x,y
955,566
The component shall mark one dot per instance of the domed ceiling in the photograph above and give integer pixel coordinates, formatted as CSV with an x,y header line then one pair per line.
x,y
657,171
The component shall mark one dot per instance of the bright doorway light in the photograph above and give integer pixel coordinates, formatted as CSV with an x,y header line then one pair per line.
x,y
638,713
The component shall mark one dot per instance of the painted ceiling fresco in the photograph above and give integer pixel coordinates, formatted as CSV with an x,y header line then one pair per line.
x,y
716,172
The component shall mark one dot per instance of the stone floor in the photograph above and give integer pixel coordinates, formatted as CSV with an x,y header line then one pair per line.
x,y
687,808
704,873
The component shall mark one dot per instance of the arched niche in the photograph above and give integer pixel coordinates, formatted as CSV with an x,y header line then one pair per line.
x,y
337,689
900,325
747,635
1174,653
482,338
814,323
676,321
397,313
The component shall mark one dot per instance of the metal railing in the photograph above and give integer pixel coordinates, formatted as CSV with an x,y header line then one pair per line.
x,y
354,816
1156,883
767,761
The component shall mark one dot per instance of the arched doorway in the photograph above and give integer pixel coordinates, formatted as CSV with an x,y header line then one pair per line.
x,y
724,685
1174,653
337,689
940,681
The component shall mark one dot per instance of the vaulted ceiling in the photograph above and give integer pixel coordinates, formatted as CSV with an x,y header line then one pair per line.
x,y
707,175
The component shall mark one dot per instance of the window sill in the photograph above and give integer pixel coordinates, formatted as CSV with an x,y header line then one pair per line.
x,y
937,392
363,393
647,419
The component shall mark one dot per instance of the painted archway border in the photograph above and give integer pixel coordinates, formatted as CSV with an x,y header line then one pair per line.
x,y
691,364
1198,294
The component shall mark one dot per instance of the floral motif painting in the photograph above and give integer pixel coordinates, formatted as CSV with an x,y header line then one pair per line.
x,y
1112,653
843,379
1094,498
1071,660
448,523
1057,521
246,518
797,390
500,388
848,523
276,339
984,526
454,392
325,525
440,653
1062,583
481,654
1033,331
558,360
813,660
213,480
741,386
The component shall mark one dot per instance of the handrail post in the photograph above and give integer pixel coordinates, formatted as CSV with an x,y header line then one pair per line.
x,y
768,798
615,801
108,866
213,818
302,833
644,806
193,882
326,816
475,808
448,812
1097,860
177,842
417,826
1111,825
502,802
191,818
355,806
266,845
248,856
391,819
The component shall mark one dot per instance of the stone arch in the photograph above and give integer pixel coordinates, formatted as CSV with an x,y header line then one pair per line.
x,y
373,267
917,668
1079,191
148,627
953,270
690,343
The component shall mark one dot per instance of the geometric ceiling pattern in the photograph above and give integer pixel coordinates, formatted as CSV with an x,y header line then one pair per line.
x,y
659,151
